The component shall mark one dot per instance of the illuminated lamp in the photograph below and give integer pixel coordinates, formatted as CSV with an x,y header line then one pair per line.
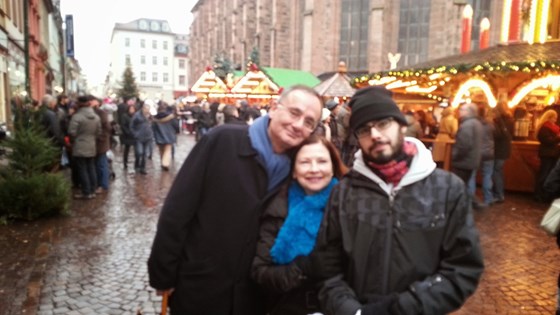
x,y
417,89
550,80
504,34
474,83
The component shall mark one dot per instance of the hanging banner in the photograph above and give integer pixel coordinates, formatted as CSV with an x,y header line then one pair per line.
x,y
69,36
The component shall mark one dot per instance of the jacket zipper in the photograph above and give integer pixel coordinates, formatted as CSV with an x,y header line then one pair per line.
x,y
388,238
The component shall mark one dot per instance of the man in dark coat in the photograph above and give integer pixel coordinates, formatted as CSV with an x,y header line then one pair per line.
x,y
208,227
467,150
50,120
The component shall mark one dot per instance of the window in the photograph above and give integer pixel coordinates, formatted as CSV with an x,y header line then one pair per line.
x,y
354,33
142,76
165,45
127,59
181,80
154,60
154,44
165,61
413,31
181,63
127,42
154,76
142,43
165,77
143,60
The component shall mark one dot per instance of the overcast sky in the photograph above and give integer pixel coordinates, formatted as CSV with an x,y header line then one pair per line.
x,y
94,22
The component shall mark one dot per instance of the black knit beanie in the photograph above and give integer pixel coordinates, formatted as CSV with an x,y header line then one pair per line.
x,y
373,103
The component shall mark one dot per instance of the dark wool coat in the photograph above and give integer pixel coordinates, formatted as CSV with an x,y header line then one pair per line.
x,y
103,141
127,137
502,137
208,227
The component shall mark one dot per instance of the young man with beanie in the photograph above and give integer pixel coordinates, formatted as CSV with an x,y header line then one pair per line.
x,y
403,227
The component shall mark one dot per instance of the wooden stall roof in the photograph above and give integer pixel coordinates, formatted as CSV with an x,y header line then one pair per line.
x,y
209,82
438,79
509,53
338,85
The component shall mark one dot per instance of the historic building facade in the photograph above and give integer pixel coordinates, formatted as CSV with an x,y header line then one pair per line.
x,y
315,35
31,52
149,47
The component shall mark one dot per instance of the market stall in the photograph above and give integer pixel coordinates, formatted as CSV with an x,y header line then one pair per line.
x,y
337,86
520,74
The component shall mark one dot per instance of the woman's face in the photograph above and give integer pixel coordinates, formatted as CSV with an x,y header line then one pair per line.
x,y
313,168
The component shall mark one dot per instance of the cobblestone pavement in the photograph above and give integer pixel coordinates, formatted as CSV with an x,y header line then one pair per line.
x,y
94,261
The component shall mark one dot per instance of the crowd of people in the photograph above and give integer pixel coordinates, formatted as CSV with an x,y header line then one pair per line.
x,y
305,206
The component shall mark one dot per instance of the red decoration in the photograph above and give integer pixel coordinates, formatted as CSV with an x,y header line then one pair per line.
x,y
208,68
467,26
254,67
514,21
280,90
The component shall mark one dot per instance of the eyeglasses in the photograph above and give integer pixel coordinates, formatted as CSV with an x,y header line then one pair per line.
x,y
295,115
379,125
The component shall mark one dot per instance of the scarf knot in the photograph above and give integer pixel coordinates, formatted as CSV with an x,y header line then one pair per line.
x,y
298,234
393,171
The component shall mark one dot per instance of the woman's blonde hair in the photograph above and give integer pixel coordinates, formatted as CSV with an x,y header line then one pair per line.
x,y
548,115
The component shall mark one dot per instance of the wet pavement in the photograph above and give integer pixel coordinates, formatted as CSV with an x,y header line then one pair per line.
x,y
94,261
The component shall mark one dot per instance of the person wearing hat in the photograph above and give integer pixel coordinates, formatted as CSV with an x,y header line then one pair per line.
x,y
333,107
403,228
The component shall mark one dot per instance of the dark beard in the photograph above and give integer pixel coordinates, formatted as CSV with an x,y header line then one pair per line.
x,y
385,159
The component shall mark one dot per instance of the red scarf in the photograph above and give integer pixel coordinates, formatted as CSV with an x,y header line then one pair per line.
x,y
393,171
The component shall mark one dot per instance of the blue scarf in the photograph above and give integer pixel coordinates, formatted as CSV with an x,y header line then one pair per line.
x,y
298,234
277,165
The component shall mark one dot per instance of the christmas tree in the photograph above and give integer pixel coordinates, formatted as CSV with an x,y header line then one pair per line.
x,y
129,89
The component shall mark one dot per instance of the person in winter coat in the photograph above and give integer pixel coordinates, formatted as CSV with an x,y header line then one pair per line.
x,y
84,128
103,144
289,227
487,161
467,150
548,134
403,227
551,188
448,127
165,128
503,134
127,137
207,230
141,128
51,122
204,121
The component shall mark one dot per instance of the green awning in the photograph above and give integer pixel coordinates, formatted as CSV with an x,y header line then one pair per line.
x,y
286,77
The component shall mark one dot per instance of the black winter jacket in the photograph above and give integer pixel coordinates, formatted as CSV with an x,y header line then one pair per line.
x,y
550,141
418,240
208,227
288,291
